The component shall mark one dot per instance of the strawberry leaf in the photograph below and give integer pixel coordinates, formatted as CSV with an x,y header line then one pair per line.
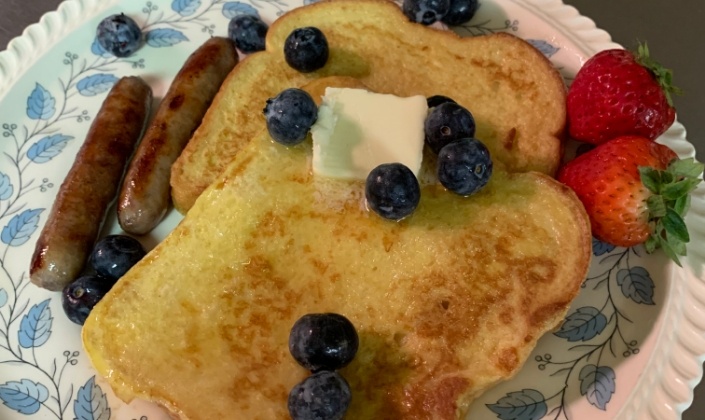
x,y
682,205
668,204
663,76
680,188
687,168
675,226
669,251
677,245
651,178
656,206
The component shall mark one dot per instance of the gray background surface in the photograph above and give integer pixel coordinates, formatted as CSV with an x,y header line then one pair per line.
x,y
674,30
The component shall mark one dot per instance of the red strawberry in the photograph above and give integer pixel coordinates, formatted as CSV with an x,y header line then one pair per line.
x,y
617,93
634,191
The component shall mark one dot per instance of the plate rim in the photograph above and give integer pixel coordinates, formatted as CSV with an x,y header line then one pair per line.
x,y
670,365
674,380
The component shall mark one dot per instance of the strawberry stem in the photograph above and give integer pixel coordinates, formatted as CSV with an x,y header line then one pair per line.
x,y
663,76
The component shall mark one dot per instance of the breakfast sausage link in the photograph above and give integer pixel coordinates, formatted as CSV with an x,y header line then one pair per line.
x,y
91,185
144,197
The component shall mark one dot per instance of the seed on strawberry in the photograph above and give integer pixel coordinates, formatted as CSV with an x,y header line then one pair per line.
x,y
618,92
635,191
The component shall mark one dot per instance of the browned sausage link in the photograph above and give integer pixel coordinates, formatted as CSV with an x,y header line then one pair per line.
x,y
144,197
90,186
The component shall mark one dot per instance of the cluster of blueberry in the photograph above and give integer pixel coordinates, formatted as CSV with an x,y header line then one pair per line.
x,y
391,189
464,163
111,258
322,343
305,49
291,114
450,12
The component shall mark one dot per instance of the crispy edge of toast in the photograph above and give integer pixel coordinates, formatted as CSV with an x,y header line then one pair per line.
x,y
548,316
188,180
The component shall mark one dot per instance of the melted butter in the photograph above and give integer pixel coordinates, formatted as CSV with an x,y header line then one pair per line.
x,y
358,130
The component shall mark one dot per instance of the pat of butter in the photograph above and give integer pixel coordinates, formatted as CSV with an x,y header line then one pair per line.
x,y
357,130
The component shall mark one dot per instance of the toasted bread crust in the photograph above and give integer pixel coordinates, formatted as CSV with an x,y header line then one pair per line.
x,y
515,94
447,302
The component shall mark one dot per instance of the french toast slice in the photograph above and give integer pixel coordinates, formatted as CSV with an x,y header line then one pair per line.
x,y
446,302
516,96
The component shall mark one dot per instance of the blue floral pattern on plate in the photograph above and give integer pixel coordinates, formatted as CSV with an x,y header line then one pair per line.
x,y
44,373
589,331
25,326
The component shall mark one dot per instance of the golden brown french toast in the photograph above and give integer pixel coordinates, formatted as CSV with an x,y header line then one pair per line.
x,y
514,93
446,302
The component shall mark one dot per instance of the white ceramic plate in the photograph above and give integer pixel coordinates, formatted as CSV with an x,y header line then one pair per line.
x,y
631,346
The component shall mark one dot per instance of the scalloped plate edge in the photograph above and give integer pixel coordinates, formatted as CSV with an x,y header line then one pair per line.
x,y
24,50
677,366
580,29
674,369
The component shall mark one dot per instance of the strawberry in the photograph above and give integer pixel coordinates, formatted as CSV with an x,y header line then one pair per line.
x,y
617,93
635,191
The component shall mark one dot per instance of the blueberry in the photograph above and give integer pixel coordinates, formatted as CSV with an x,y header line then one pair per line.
x,y
290,116
435,100
425,12
324,395
248,33
447,122
392,191
119,35
114,255
460,11
306,49
79,298
323,341
464,166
